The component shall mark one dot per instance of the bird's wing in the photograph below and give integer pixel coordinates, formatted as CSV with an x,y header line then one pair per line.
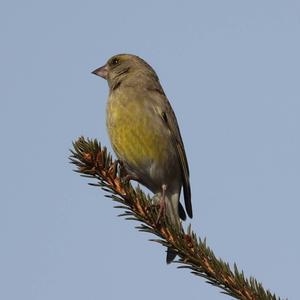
x,y
167,114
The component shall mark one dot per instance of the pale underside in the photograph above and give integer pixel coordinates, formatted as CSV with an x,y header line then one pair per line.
x,y
142,141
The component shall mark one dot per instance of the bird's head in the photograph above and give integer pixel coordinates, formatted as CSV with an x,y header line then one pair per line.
x,y
124,67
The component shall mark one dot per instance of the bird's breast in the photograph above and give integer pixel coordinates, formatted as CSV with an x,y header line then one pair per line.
x,y
138,134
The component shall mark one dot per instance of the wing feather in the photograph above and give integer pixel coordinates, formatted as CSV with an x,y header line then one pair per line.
x,y
170,119
163,107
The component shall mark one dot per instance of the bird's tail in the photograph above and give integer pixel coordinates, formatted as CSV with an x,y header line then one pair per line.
x,y
172,212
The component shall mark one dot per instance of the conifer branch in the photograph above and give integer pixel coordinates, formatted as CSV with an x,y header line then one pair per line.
x,y
93,161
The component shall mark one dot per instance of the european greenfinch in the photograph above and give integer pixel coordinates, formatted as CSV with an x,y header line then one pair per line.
x,y
144,134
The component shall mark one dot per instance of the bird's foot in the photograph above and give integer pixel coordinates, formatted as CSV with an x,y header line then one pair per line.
x,y
129,177
124,174
162,205
122,169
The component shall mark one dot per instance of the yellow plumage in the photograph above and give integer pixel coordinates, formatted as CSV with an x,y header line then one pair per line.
x,y
134,133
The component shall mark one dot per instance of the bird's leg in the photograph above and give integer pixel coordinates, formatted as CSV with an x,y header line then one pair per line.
x,y
122,169
162,204
124,174
129,177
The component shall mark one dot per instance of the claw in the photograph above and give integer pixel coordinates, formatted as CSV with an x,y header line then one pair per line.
x,y
124,173
162,205
129,177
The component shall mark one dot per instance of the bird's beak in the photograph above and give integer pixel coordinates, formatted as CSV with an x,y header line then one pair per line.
x,y
102,72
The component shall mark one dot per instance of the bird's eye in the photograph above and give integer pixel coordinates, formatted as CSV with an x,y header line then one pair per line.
x,y
115,61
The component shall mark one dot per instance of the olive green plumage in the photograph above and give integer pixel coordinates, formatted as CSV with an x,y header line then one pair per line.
x,y
144,132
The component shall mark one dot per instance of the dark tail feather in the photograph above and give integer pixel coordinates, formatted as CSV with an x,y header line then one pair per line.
x,y
181,212
174,211
171,254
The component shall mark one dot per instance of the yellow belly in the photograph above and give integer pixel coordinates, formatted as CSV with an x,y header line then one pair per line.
x,y
137,134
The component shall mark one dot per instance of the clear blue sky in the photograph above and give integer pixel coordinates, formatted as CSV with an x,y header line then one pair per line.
x,y
231,70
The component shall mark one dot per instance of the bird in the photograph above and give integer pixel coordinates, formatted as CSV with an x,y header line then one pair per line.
x,y
145,135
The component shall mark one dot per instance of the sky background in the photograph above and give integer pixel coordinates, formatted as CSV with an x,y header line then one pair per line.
x,y
231,71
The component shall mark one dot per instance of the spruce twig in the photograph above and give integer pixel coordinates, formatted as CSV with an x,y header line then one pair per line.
x,y
93,161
